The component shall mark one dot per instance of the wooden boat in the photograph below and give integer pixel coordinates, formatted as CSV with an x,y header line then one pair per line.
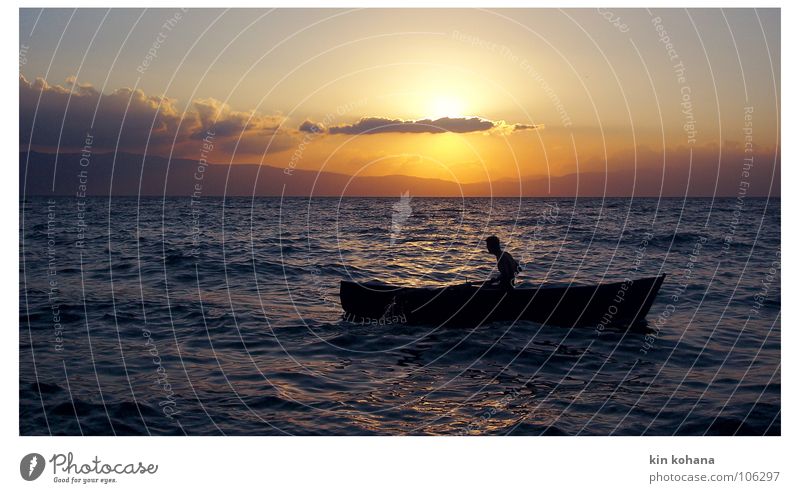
x,y
615,304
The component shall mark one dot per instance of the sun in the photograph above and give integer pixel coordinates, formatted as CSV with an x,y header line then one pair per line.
x,y
441,106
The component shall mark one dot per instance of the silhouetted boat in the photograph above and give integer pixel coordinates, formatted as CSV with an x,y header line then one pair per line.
x,y
616,304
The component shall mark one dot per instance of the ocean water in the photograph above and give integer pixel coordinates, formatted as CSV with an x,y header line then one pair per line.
x,y
165,317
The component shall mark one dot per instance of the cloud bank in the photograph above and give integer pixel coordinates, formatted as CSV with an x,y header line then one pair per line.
x,y
60,117
378,125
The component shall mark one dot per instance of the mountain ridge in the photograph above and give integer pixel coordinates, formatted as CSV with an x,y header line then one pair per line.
x,y
119,175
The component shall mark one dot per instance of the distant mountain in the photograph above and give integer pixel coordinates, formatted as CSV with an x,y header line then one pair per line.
x,y
131,174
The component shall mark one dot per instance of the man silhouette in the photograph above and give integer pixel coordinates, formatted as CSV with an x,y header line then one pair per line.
x,y
507,267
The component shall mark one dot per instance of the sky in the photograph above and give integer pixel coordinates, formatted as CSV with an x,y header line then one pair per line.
x,y
461,95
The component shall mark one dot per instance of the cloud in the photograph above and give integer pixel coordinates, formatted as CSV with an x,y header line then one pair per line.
x,y
63,116
311,127
130,120
377,125
229,123
526,126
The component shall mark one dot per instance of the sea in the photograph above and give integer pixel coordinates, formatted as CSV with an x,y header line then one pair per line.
x,y
221,316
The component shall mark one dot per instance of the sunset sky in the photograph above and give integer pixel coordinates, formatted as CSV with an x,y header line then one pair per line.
x,y
460,95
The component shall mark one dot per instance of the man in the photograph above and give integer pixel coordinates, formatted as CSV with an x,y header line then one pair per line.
x,y
507,267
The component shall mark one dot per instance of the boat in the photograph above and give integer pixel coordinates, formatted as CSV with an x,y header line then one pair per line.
x,y
622,304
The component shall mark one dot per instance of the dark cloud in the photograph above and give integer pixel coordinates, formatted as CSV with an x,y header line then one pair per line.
x,y
311,127
525,126
229,123
131,120
63,116
377,125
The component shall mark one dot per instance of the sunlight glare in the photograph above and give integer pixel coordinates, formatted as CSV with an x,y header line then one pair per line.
x,y
450,106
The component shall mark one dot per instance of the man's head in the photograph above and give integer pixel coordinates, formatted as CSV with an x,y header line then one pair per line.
x,y
493,244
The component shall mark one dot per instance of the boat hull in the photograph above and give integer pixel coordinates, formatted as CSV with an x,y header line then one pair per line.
x,y
617,304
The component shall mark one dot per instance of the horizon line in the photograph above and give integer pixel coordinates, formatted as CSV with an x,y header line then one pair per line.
x,y
564,197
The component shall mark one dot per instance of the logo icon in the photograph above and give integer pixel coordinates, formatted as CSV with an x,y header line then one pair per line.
x,y
401,211
31,467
